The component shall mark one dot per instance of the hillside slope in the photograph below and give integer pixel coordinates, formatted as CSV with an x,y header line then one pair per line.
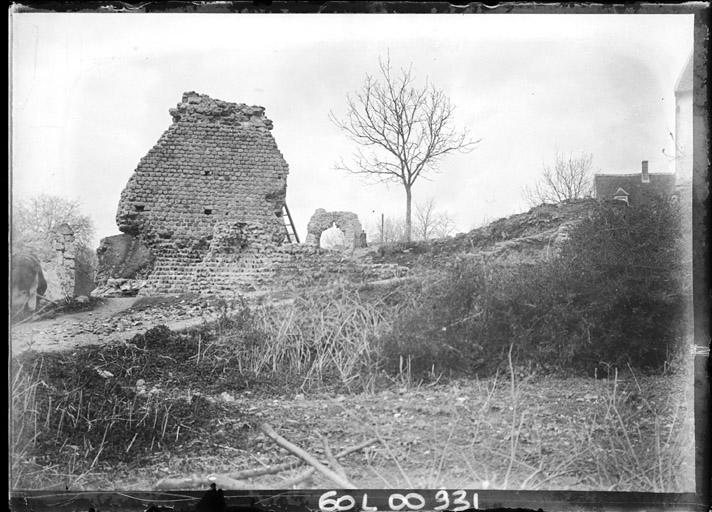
x,y
528,236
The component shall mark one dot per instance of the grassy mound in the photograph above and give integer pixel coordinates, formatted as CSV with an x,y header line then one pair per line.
x,y
617,294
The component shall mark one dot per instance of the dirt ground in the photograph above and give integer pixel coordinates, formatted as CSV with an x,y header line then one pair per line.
x,y
115,319
457,435
533,432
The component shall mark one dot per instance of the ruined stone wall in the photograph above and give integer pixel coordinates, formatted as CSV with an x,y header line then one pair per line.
x,y
309,266
206,204
207,198
60,270
260,266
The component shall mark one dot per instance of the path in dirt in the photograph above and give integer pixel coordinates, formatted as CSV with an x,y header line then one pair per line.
x,y
121,318
114,320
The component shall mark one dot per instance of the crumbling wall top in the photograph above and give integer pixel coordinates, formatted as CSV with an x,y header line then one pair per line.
x,y
196,107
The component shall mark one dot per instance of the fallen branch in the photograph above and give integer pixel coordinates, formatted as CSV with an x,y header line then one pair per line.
x,y
331,475
382,441
309,472
233,480
333,463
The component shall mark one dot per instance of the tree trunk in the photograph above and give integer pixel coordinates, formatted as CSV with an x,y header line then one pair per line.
x,y
408,224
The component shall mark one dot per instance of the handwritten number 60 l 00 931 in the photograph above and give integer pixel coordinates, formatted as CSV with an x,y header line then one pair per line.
x,y
329,502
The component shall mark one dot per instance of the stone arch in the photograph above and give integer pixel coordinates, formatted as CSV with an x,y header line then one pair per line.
x,y
347,222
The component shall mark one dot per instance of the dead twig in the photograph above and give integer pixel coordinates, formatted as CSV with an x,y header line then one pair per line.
x,y
514,433
234,480
333,463
382,441
309,472
331,475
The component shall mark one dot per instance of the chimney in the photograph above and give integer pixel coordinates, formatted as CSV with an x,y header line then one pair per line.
x,y
645,176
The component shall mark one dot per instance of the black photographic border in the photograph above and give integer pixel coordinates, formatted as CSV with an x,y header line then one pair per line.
x,y
298,500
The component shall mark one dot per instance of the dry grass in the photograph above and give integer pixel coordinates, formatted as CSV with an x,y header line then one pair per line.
x,y
629,435
70,419
321,339
633,438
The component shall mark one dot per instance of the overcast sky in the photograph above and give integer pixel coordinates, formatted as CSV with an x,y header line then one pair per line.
x,y
91,93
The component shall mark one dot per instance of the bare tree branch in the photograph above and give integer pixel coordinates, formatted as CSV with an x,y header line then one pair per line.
x,y
402,131
569,178
431,223
35,219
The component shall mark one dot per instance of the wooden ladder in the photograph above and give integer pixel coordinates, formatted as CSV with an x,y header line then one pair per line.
x,y
289,225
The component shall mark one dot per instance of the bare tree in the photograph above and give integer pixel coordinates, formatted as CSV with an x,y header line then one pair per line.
x,y
389,231
402,131
393,230
431,223
35,219
569,178
445,226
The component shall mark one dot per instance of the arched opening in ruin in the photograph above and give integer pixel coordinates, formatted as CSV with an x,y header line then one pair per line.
x,y
333,238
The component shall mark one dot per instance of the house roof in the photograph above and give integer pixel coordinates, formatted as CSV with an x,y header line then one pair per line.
x,y
608,185
685,81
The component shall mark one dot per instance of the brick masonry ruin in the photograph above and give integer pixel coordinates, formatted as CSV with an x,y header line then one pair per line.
x,y
347,222
206,202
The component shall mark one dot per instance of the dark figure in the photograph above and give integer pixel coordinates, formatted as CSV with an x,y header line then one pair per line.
x,y
27,283
212,501
362,240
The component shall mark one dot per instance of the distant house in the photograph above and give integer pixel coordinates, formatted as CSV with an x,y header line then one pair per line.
x,y
634,189
639,188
